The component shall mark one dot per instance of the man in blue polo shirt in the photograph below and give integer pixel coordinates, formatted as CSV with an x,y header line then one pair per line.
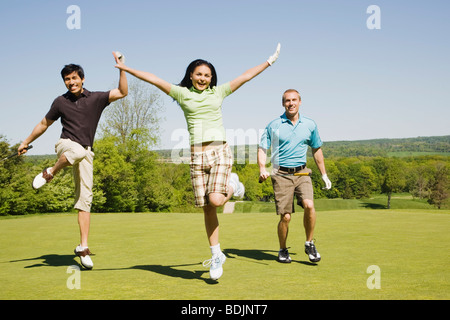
x,y
289,137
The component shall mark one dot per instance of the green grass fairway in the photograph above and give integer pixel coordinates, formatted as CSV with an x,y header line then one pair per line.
x,y
159,256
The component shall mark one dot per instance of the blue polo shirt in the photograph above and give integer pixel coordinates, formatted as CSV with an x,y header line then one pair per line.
x,y
290,142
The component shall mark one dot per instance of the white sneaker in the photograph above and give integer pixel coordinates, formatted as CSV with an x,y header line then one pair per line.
x,y
238,187
85,258
215,263
42,178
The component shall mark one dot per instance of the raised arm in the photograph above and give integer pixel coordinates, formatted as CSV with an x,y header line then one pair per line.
x,y
147,77
122,90
253,72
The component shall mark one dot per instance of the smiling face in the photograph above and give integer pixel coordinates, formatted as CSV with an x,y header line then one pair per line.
x,y
74,83
201,77
291,103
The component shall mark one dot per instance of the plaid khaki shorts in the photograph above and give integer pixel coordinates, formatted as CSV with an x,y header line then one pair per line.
x,y
285,187
210,172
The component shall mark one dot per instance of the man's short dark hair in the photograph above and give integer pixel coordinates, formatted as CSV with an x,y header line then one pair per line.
x,y
69,68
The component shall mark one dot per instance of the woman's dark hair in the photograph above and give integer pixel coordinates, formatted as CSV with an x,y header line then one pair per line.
x,y
69,68
187,82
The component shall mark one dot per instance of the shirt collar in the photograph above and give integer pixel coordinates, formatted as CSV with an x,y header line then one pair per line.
x,y
285,119
193,89
85,93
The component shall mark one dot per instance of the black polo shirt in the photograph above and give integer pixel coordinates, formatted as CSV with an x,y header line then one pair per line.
x,y
79,115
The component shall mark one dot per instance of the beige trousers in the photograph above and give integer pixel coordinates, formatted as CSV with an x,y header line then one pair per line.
x,y
82,161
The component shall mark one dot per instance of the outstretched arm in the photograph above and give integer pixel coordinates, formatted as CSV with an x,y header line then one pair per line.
x,y
147,77
253,72
40,128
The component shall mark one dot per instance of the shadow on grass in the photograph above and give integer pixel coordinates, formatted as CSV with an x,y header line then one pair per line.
x,y
254,254
50,260
56,260
171,271
260,255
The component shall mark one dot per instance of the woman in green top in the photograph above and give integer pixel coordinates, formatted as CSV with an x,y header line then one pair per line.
x,y
211,159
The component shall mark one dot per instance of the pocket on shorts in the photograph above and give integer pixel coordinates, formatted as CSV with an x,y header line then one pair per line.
x,y
227,155
58,143
196,159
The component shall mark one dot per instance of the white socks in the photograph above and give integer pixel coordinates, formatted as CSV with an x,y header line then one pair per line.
x,y
215,250
80,248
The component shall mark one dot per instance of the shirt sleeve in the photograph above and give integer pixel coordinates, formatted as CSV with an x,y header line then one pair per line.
x,y
266,139
315,141
224,90
176,92
53,114
104,97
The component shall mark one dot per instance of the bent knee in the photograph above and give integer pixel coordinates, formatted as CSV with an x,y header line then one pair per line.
x,y
216,199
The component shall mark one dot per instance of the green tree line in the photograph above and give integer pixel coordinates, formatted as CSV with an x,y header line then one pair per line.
x,y
130,178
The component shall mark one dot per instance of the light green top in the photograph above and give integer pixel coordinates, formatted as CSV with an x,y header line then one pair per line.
x,y
203,111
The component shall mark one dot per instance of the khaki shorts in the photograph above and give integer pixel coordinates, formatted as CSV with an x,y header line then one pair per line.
x,y
210,172
82,161
286,187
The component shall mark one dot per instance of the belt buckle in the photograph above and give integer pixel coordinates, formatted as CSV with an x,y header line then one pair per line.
x,y
291,170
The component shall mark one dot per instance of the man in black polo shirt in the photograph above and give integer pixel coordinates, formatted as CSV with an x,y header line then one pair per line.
x,y
80,111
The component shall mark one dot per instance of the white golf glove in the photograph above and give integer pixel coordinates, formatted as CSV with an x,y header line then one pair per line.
x,y
327,182
274,57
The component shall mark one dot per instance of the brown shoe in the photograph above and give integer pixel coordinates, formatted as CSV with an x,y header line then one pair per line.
x,y
85,257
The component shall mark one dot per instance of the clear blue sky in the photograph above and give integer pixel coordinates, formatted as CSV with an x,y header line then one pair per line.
x,y
355,83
